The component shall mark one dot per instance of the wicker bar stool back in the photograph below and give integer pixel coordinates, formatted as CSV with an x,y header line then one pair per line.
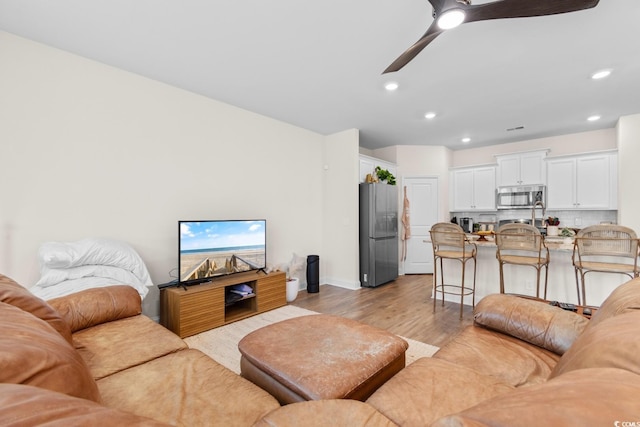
x,y
604,248
522,244
450,242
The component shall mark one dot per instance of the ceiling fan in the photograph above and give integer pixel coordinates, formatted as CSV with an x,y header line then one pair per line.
x,y
448,14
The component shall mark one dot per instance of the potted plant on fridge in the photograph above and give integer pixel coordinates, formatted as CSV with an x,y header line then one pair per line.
x,y
385,175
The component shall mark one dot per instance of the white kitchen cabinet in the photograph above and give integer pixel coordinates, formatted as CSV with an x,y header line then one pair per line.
x,y
521,169
473,189
583,182
368,165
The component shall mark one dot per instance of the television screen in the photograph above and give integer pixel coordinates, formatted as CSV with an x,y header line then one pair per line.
x,y
215,248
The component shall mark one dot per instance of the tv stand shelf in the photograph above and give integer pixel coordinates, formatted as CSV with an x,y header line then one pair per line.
x,y
202,307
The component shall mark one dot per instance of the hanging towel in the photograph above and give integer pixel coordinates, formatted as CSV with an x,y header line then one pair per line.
x,y
406,225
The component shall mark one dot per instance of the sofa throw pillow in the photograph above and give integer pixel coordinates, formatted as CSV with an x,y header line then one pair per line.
x,y
532,321
32,353
92,307
624,299
613,343
589,397
13,293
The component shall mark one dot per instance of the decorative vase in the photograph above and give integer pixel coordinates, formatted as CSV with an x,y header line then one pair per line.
x,y
552,230
293,286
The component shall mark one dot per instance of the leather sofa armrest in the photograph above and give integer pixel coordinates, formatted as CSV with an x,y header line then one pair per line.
x,y
94,306
535,322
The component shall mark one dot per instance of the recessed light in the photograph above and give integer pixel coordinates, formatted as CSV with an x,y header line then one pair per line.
x,y
391,86
466,140
593,118
601,74
430,115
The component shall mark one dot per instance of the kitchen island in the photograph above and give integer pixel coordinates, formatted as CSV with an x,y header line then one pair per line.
x,y
522,280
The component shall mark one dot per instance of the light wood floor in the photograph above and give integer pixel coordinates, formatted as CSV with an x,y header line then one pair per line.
x,y
403,307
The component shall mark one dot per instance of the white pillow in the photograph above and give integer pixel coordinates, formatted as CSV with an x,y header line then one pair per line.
x,y
57,255
53,276
76,285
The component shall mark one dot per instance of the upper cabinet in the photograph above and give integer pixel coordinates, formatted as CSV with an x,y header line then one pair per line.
x,y
583,182
368,166
473,189
521,169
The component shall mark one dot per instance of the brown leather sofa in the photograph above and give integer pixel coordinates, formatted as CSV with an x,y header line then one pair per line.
x,y
92,359
522,363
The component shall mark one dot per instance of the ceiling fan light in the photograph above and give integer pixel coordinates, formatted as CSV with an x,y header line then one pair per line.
x,y
451,19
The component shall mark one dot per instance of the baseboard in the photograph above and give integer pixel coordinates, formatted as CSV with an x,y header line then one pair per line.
x,y
341,283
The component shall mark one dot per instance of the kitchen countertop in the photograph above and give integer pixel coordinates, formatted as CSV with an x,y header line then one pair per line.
x,y
553,243
561,274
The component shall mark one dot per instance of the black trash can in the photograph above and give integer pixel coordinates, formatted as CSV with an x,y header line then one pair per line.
x,y
313,274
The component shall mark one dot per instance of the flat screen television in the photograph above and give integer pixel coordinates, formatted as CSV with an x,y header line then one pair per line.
x,y
212,248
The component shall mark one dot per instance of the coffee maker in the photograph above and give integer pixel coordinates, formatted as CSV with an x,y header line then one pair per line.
x,y
466,223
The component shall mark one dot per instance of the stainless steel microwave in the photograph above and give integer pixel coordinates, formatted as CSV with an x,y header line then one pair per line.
x,y
522,197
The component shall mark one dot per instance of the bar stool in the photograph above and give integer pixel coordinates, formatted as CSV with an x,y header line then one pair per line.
x,y
605,249
450,242
522,244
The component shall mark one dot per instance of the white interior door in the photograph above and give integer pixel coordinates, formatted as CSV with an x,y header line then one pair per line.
x,y
423,213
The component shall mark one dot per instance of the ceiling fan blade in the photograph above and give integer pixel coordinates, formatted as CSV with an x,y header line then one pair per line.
x,y
437,4
522,9
498,9
415,49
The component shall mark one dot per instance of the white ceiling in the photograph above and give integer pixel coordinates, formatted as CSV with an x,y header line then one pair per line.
x,y
318,64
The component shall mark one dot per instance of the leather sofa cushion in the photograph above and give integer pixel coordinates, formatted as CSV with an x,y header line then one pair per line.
x,y
588,397
120,344
625,298
431,388
613,343
535,322
187,388
19,296
511,360
33,353
322,413
24,405
94,306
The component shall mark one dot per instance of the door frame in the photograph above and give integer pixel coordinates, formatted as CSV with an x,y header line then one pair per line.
x,y
436,211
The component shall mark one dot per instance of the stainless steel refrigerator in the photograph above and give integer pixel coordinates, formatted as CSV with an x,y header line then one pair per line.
x,y
378,234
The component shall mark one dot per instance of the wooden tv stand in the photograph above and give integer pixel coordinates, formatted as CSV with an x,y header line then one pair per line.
x,y
202,307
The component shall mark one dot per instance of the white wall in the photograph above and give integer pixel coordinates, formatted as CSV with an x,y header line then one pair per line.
x,y
628,135
423,161
92,151
340,210
574,143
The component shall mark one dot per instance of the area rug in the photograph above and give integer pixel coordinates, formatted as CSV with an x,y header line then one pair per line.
x,y
221,344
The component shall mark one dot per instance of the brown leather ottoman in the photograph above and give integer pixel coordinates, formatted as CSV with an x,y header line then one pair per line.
x,y
320,357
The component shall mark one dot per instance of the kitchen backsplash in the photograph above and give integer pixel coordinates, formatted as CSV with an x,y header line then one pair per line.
x,y
571,219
